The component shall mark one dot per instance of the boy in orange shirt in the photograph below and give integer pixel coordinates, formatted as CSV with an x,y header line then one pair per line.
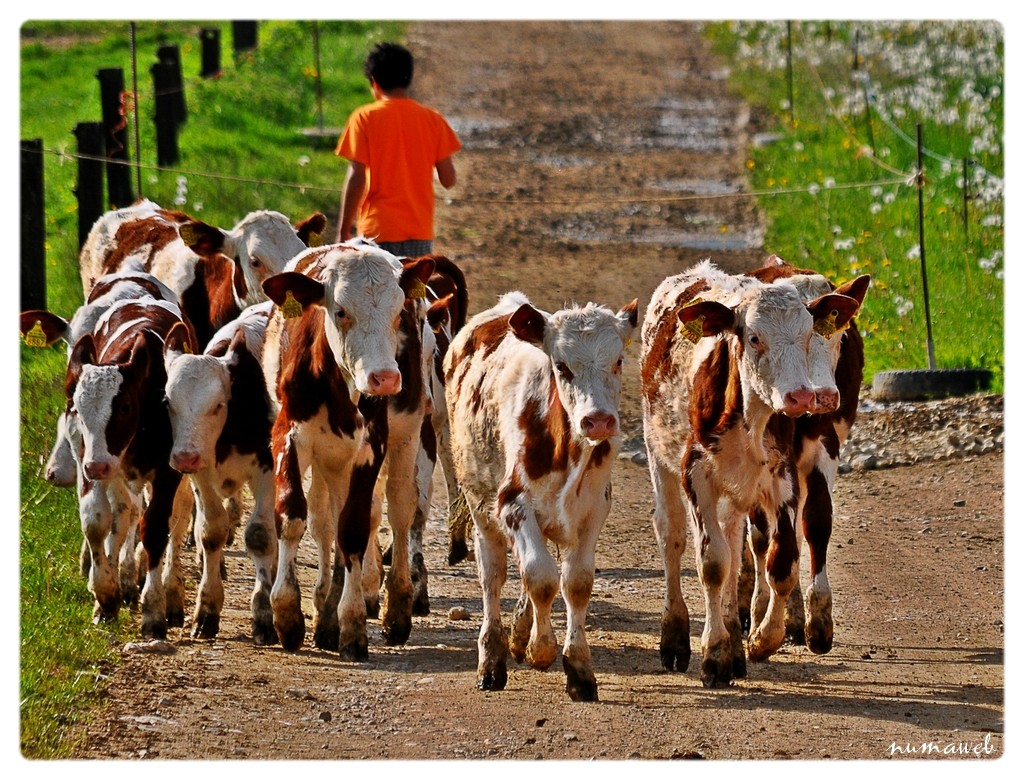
x,y
393,146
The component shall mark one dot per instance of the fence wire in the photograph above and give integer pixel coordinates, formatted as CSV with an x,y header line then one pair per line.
x,y
809,189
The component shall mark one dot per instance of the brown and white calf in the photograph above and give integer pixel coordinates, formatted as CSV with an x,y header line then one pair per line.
x,y
727,364
214,272
44,328
533,406
121,439
220,421
344,366
817,442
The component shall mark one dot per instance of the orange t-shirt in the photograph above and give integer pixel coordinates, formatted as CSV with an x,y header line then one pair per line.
x,y
399,141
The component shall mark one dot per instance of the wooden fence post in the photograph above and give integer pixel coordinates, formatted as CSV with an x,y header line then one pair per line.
x,y
33,226
243,36
89,190
171,57
115,124
210,37
166,114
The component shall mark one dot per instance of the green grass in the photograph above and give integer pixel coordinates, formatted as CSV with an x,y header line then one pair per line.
x,y
918,74
240,150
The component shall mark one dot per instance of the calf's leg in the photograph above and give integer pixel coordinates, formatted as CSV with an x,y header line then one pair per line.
x,y
491,564
670,531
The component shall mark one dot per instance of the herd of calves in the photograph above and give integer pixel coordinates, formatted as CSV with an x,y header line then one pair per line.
x,y
328,380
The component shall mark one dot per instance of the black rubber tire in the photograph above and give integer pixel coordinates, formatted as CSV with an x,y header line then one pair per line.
x,y
924,384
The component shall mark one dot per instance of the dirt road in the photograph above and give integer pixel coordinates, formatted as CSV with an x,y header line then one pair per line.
x,y
575,135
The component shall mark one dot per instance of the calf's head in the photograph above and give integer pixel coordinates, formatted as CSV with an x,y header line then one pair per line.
x,y
363,293
105,403
260,245
782,358
198,391
585,347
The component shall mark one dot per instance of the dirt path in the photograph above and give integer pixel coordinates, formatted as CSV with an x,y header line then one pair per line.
x,y
571,132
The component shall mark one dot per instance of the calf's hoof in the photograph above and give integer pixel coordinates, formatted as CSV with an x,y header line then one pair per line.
x,y
492,679
761,645
327,636
420,597
263,633
739,665
675,642
291,632
205,626
372,604
796,635
105,614
580,683
421,604
356,649
154,629
716,669
175,616
819,636
396,625
542,653
458,551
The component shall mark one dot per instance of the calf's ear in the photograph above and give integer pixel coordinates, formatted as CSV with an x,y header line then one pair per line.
x,y
177,343
139,362
438,311
832,313
528,324
203,239
42,328
856,289
291,286
82,354
415,274
706,318
628,317
311,229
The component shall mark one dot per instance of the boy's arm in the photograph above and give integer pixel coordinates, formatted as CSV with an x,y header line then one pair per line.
x,y
351,195
446,172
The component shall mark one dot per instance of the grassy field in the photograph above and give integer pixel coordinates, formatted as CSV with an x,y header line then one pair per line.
x,y
240,149
836,182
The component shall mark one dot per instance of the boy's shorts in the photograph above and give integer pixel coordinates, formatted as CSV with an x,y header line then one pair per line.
x,y
411,248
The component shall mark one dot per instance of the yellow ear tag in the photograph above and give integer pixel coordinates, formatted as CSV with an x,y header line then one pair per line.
x,y
36,337
419,290
291,308
827,326
694,329
188,234
187,348
315,239
629,342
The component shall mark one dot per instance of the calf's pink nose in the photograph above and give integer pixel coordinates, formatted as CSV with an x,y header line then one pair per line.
x,y
600,426
384,382
826,400
95,469
799,401
186,462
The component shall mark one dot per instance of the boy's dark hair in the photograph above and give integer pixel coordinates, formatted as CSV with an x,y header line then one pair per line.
x,y
390,65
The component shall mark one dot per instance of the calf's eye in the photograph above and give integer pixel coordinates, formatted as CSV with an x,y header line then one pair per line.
x,y
564,371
